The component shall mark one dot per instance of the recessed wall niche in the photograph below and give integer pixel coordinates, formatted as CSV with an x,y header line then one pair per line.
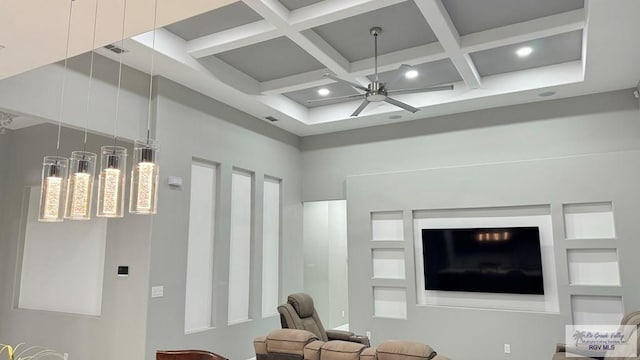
x,y
593,267
589,221
52,257
387,226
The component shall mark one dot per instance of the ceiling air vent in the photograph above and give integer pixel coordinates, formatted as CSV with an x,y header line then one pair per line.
x,y
115,49
271,118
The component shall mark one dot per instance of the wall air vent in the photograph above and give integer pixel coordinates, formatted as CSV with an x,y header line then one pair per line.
x,y
271,118
115,49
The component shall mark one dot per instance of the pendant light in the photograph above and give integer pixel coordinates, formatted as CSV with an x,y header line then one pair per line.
x,y
113,159
83,163
143,198
54,168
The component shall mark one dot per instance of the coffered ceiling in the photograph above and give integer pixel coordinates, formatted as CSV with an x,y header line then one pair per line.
x,y
267,57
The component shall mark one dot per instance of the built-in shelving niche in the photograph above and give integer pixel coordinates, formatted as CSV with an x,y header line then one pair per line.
x,y
592,261
388,265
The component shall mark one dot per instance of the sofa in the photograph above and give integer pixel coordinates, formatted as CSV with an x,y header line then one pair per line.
x,y
294,344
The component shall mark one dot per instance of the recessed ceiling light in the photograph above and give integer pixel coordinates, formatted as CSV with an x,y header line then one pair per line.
x,y
411,74
524,51
395,117
547,93
323,92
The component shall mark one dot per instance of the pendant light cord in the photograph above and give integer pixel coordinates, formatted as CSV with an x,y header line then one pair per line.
x,y
93,45
115,122
153,53
64,77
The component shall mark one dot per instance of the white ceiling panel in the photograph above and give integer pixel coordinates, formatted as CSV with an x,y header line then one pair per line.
x,y
546,51
272,59
402,27
429,74
297,4
474,16
336,89
221,19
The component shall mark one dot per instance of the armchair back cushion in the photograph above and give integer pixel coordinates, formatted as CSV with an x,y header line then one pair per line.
x,y
300,313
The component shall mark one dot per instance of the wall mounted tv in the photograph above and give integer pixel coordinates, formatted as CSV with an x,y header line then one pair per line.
x,y
491,260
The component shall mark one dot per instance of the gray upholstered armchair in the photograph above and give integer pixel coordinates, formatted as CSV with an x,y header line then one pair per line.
x,y
299,313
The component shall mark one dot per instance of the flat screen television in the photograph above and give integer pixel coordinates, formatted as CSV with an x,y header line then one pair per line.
x,y
491,260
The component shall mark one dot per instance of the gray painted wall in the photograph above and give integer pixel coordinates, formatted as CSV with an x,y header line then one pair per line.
x,y
37,93
363,165
474,333
190,125
121,327
580,125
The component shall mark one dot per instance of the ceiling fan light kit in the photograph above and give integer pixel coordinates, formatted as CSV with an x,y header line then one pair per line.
x,y
376,91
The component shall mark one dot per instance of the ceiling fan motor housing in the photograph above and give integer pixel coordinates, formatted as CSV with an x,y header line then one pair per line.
x,y
376,92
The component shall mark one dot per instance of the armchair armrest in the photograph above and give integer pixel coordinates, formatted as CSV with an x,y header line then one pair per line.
x,y
347,336
339,335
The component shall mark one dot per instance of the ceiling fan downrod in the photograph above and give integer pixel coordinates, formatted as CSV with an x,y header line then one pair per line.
x,y
375,31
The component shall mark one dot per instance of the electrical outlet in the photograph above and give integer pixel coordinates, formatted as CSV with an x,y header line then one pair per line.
x,y
157,291
507,348
342,313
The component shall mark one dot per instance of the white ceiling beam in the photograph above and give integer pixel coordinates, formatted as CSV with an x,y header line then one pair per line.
x,y
438,18
174,48
295,82
391,61
361,68
173,62
328,11
234,38
274,12
524,31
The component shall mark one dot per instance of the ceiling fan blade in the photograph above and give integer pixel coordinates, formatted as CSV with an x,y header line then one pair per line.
x,y
400,104
361,107
419,90
345,97
352,84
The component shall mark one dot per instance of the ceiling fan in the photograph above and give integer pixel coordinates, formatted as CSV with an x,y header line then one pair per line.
x,y
377,91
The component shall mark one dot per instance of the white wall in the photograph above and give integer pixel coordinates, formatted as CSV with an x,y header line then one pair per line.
x,y
37,93
582,125
121,325
325,259
190,125
447,163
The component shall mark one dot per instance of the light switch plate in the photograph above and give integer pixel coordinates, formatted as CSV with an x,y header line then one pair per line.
x,y
157,291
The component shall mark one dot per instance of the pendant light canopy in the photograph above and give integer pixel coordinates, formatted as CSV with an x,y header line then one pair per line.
x,y
53,190
80,185
113,162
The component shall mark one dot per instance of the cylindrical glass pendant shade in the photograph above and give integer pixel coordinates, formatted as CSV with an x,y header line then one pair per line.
x,y
53,190
143,198
82,169
113,168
